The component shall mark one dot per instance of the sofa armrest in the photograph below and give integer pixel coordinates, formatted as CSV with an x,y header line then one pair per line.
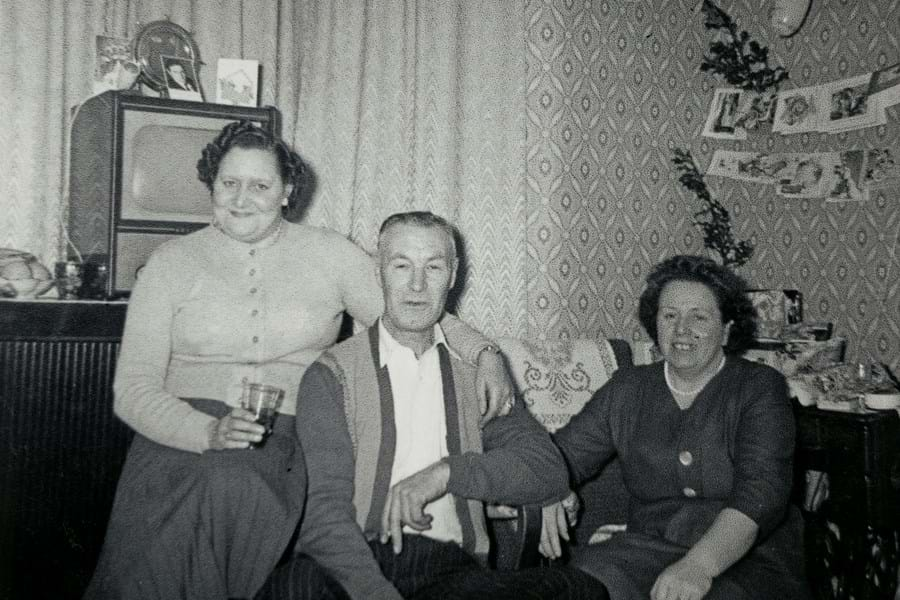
x,y
515,541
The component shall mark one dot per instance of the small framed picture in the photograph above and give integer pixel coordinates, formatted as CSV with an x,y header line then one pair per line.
x,y
114,66
181,79
237,82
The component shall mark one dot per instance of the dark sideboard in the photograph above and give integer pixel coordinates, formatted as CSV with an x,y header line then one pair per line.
x,y
853,538
61,447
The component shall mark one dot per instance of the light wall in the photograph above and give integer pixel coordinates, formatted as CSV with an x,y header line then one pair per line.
x,y
613,86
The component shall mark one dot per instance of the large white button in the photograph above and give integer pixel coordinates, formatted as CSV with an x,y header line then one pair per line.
x,y
690,492
685,458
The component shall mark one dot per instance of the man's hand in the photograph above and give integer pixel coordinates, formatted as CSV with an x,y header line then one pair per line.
x,y
557,518
553,528
407,499
493,386
682,580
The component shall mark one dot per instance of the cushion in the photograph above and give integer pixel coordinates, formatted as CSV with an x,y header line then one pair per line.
x,y
556,379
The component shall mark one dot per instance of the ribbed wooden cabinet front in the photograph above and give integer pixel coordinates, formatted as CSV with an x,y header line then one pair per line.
x,y
61,447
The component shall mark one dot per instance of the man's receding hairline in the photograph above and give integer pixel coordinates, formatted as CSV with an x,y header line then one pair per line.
x,y
432,226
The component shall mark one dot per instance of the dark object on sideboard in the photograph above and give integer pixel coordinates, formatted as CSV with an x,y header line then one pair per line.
x,y
61,447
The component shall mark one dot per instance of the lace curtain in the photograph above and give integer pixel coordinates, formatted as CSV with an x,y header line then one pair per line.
x,y
397,105
46,68
421,105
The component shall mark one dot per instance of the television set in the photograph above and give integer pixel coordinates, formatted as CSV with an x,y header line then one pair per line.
x,y
133,177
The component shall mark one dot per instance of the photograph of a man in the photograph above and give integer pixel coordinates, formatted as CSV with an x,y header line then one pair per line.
x,y
181,79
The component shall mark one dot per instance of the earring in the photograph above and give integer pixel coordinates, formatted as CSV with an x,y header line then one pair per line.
x,y
284,201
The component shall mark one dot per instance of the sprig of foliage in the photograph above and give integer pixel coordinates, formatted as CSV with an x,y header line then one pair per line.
x,y
713,219
742,62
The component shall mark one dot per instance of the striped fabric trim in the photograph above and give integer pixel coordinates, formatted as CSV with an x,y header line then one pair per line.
x,y
382,484
454,447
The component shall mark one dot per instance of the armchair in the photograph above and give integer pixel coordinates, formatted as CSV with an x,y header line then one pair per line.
x,y
555,380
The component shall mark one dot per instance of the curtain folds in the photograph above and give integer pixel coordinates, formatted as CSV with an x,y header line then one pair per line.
x,y
46,69
398,105
410,105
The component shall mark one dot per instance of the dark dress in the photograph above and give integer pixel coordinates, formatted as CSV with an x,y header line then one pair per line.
x,y
733,448
212,525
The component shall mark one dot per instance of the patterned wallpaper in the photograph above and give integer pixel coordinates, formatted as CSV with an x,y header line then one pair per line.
x,y
613,86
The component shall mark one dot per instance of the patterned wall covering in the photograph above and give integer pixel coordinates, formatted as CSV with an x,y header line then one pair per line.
x,y
613,86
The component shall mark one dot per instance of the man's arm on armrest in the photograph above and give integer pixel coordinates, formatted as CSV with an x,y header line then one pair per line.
x,y
330,533
519,465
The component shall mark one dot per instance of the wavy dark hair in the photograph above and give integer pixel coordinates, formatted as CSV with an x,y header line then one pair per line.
x,y
244,134
728,287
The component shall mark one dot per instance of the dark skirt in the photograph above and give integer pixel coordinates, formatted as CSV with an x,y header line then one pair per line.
x,y
629,563
211,525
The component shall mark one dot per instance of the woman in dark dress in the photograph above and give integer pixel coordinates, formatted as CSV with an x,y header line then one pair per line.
x,y
706,442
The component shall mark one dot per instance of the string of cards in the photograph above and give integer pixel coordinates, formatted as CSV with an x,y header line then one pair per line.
x,y
843,105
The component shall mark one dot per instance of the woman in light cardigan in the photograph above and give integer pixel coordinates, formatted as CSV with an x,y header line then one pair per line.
x,y
254,298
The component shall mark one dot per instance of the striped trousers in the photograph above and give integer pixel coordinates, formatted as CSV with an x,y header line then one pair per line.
x,y
432,570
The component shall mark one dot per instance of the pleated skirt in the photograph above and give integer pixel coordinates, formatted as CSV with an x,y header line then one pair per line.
x,y
212,525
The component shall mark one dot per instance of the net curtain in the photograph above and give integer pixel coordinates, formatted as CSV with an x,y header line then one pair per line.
x,y
398,105
420,105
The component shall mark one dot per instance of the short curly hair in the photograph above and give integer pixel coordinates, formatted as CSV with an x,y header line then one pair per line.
x,y
244,134
729,288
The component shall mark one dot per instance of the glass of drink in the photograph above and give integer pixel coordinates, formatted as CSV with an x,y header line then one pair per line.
x,y
263,401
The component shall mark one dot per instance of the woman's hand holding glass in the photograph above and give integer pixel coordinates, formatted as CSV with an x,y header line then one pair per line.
x,y
236,430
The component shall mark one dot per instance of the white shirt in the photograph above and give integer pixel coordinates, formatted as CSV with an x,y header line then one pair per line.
x,y
420,422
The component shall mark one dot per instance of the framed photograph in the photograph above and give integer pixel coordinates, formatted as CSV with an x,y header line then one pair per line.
x,y
846,183
181,78
800,110
734,112
882,168
807,175
758,167
885,86
775,310
237,82
851,107
114,67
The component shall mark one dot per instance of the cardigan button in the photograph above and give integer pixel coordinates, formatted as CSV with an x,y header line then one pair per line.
x,y
685,458
690,492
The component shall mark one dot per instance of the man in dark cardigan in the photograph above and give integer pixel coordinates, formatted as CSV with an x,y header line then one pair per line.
x,y
399,466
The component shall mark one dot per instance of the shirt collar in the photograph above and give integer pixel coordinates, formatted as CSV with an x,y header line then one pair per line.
x,y
387,345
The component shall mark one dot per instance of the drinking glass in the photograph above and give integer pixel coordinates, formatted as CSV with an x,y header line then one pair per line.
x,y
263,401
68,279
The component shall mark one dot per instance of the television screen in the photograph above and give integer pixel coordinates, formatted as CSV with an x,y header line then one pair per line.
x,y
159,166
133,176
